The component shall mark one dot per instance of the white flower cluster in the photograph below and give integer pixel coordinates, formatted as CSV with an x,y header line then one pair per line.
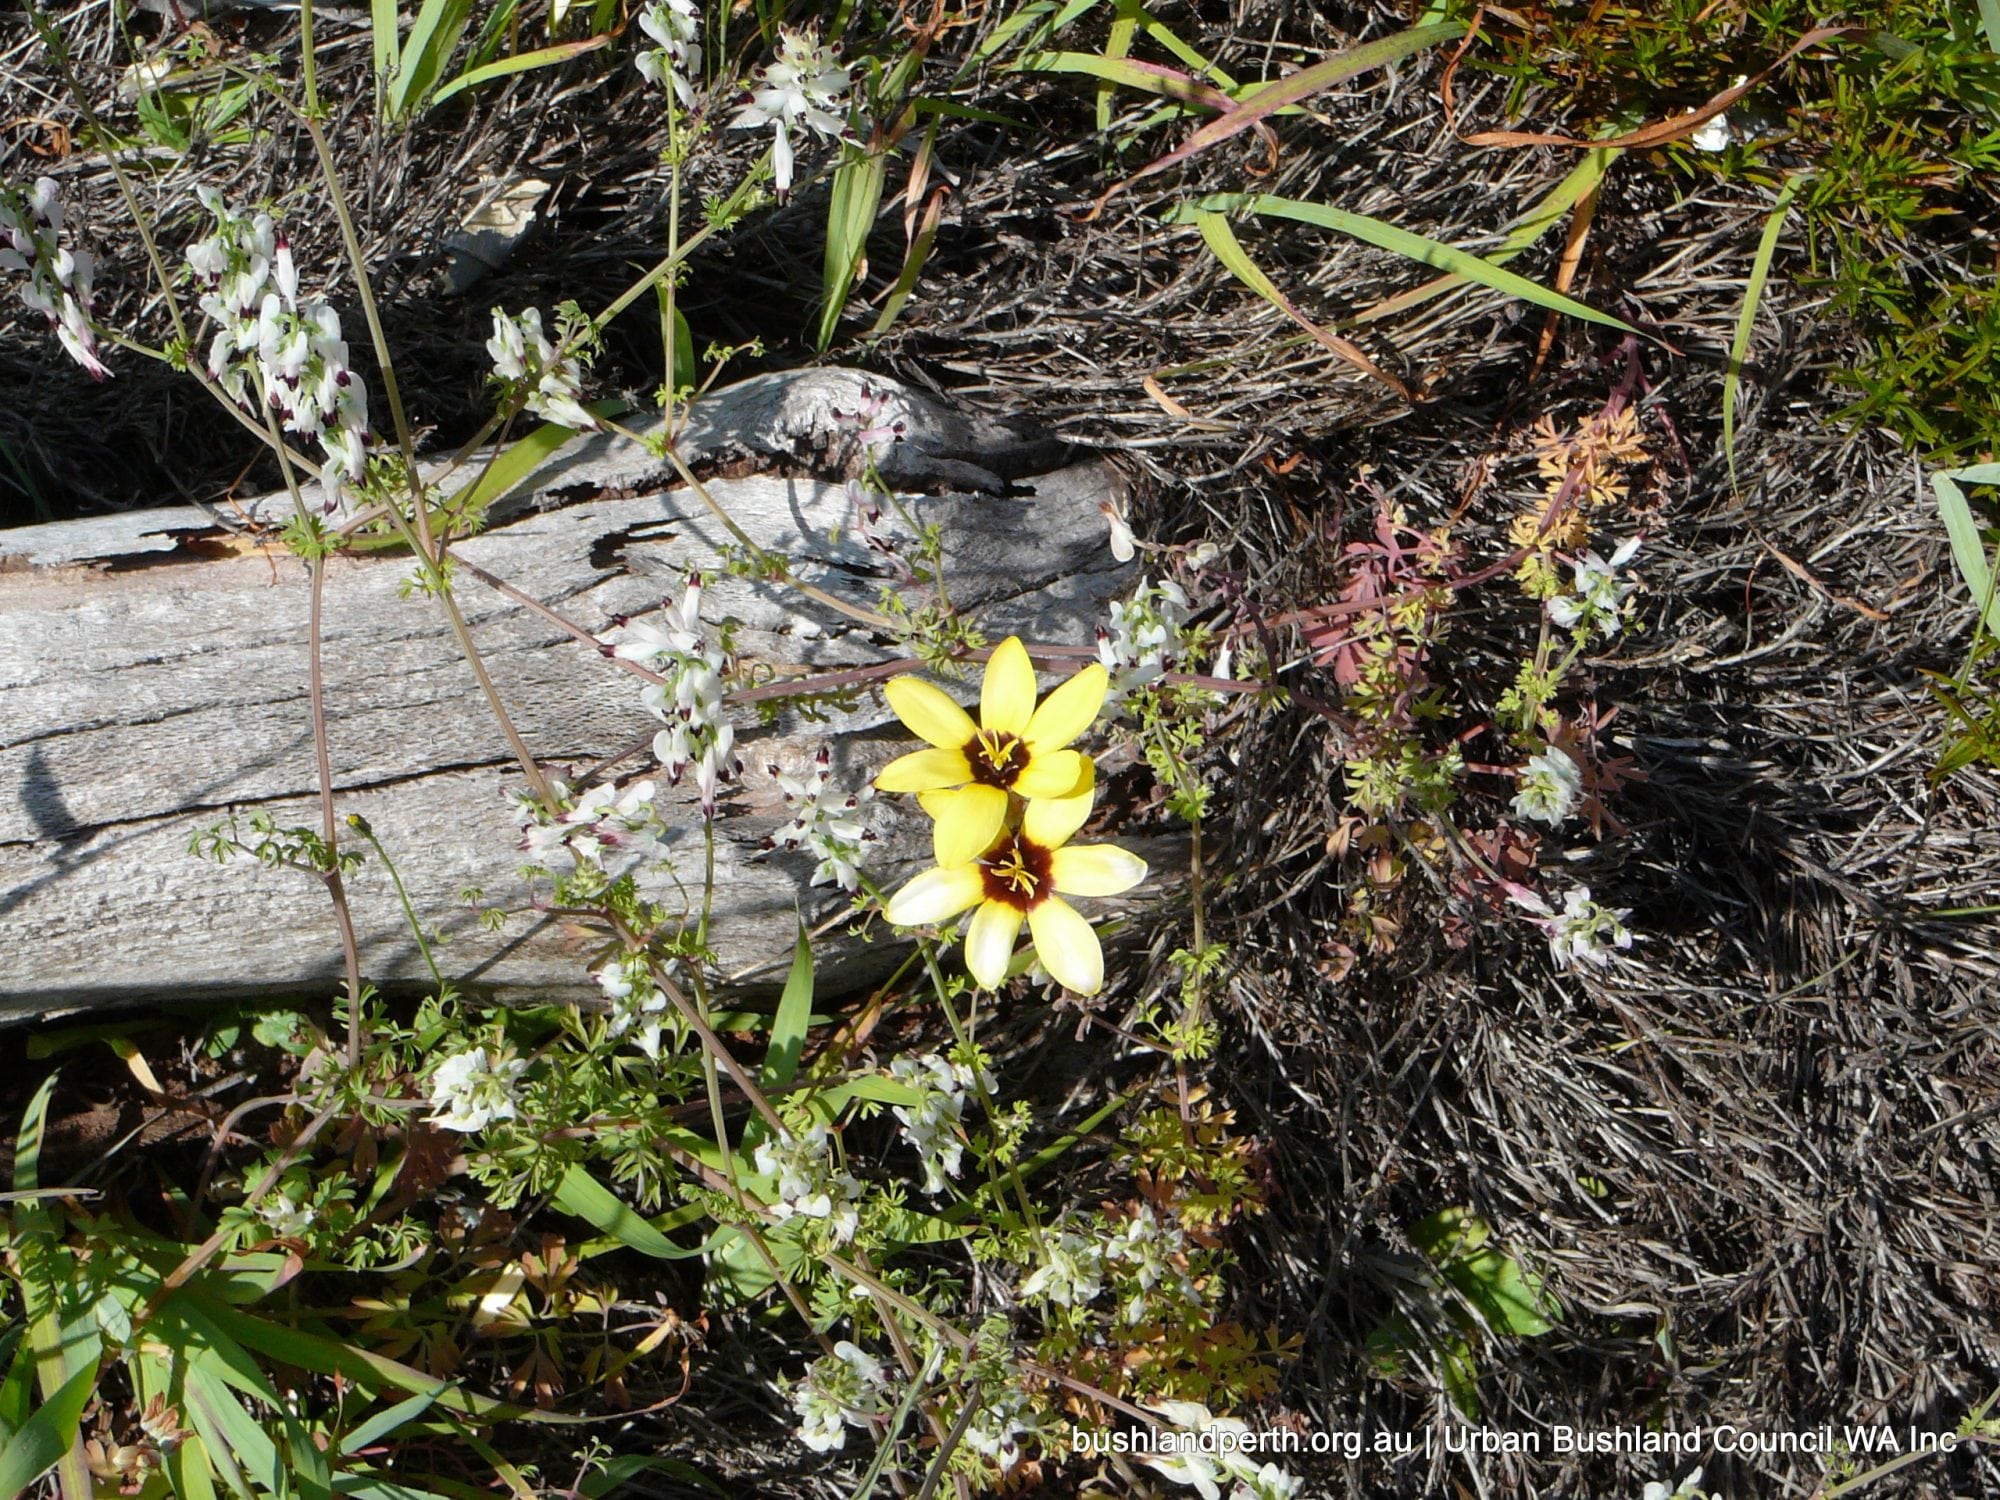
x,y
843,1389
523,355
1688,1489
600,823
1598,602
1071,1273
274,348
470,1090
1146,1251
58,285
1225,1455
673,65
636,1000
285,1216
829,828
1147,637
932,1123
1551,785
808,1183
1586,932
803,87
690,701
996,1429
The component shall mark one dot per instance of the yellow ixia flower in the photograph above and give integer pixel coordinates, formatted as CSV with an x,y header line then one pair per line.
x,y
1023,878
1015,747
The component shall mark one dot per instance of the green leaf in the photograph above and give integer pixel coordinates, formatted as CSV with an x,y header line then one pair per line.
x,y
850,215
520,62
431,42
1753,293
48,1435
1149,78
1459,1369
583,1195
388,42
1989,19
788,1030
387,1421
1968,546
1416,247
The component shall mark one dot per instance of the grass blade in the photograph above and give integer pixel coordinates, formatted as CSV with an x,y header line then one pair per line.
x,y
1261,101
1753,293
788,1030
1415,247
1968,547
520,62
1989,21
583,1195
47,1436
850,215
1229,250
1150,78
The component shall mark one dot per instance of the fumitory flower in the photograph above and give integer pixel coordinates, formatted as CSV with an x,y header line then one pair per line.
x,y
1023,878
803,87
522,353
674,24
58,284
469,1090
1016,747
1550,786
1600,593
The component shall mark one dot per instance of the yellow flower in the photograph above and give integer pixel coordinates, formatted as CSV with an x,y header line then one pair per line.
x,y
1015,747
1024,877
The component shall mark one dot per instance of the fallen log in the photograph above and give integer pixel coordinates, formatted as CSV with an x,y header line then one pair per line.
x,y
153,681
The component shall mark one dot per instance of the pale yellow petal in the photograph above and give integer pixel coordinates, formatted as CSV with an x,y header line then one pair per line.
x,y
924,771
1095,869
1053,821
1067,946
989,943
1069,710
929,713
968,821
1007,696
1055,773
937,895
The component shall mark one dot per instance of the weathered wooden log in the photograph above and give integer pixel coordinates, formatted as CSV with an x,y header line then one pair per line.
x,y
153,681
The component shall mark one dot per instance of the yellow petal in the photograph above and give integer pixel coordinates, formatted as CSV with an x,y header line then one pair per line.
x,y
968,821
924,771
937,895
1094,869
1053,821
931,715
1067,946
989,942
1007,696
1069,710
1054,773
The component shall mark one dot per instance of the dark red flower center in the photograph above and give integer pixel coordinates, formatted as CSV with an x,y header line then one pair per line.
x,y
1016,873
996,758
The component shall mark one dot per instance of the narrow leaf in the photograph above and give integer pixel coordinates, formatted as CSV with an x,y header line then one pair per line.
x,y
48,1435
520,62
1753,293
1968,547
850,215
583,1195
788,1030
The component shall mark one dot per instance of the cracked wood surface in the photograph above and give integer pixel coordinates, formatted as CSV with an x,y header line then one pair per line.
x,y
153,681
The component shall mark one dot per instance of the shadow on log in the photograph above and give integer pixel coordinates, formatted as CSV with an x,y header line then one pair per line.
x,y
153,682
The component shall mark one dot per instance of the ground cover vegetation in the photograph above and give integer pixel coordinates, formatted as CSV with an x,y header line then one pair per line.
x,y
1557,440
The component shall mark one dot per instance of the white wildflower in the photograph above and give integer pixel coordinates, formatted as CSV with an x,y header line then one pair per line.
x,y
522,355
830,828
274,348
637,1001
58,284
690,700
803,87
1598,602
1124,546
841,1390
674,64
1225,1452
1071,1273
1145,1251
286,1217
808,1183
932,1124
1551,785
470,1090
1146,637
996,1429
605,829
1586,932
1688,1489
